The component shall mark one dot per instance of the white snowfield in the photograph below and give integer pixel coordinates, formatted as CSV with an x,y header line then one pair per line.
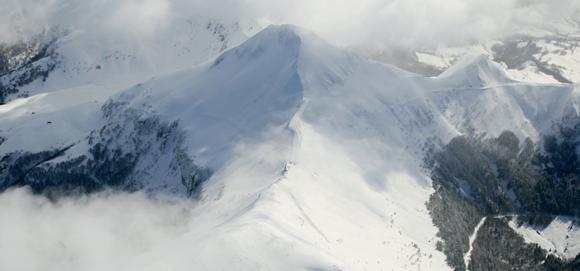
x,y
316,152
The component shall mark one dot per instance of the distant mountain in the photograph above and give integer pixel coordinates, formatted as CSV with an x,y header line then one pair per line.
x,y
68,55
547,55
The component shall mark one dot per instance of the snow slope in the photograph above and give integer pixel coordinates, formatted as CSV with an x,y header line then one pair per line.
x,y
61,118
260,117
477,96
561,237
96,60
316,152
320,149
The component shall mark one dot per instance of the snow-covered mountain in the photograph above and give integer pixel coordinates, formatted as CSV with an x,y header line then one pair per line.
x,y
548,54
283,137
303,156
96,51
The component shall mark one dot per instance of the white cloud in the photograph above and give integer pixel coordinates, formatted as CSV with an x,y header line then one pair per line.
x,y
346,22
95,232
22,18
142,17
414,22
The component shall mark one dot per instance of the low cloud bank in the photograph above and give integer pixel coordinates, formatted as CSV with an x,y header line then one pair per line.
x,y
105,231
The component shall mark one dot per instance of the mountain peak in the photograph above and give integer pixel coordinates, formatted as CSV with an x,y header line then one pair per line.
x,y
477,70
286,35
283,40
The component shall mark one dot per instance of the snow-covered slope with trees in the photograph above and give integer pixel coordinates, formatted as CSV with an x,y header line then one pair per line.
x,y
560,237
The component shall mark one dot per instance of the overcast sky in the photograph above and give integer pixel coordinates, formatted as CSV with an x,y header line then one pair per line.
x,y
373,23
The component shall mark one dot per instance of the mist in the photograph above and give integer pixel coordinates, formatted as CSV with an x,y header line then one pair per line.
x,y
381,23
368,23
104,231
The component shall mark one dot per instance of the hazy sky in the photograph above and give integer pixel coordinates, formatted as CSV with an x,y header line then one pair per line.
x,y
374,23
